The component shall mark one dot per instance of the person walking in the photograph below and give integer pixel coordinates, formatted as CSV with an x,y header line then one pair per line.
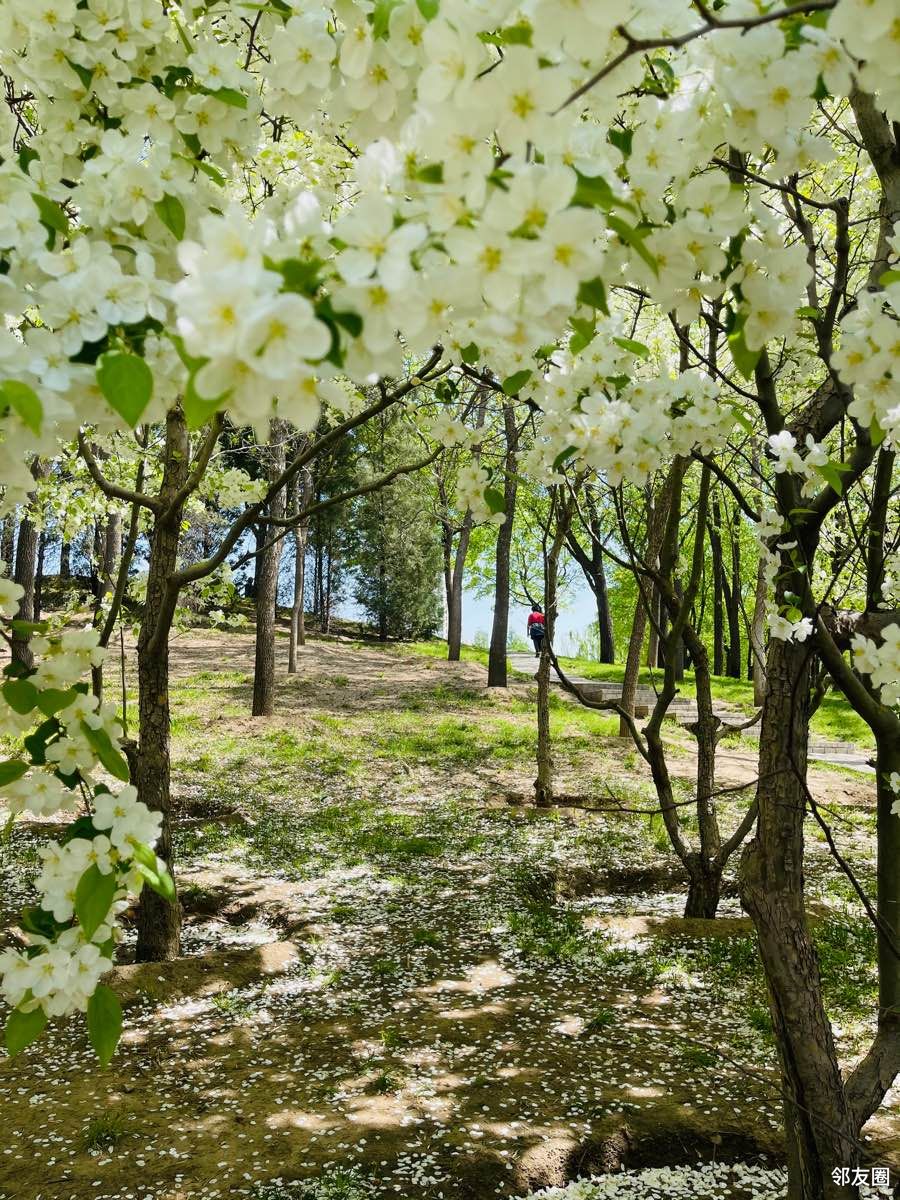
x,y
536,628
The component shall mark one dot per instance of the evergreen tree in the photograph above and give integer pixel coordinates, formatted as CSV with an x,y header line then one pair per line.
x,y
395,542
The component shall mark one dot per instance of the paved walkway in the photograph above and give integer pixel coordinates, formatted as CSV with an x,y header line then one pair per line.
x,y
684,711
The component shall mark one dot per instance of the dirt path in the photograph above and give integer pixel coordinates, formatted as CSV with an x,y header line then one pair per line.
x,y
392,969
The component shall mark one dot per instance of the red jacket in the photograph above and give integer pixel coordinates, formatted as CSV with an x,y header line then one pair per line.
x,y
536,619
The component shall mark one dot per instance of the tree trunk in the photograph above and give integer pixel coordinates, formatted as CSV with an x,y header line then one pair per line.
x,y
268,567
8,543
110,553
655,616
604,616
734,663
455,591
26,563
715,542
158,921
500,628
704,887
298,615
758,635
543,785
656,525
65,560
818,1124
39,575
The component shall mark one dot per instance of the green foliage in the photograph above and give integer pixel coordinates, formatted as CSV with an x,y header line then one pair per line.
x,y
394,545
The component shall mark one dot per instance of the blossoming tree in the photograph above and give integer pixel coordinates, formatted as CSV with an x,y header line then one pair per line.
x,y
172,249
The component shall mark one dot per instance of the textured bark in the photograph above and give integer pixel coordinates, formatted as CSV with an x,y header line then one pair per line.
x,y
454,576
39,575
268,565
818,1124
500,626
158,921
8,542
715,542
655,530
110,547
758,635
298,614
65,560
543,784
734,662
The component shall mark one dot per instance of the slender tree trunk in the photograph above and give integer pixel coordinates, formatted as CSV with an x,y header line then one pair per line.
x,y
656,525
298,615
734,664
543,784
455,591
110,553
715,542
653,632
158,921
39,575
268,566
758,635
604,616
497,676
26,564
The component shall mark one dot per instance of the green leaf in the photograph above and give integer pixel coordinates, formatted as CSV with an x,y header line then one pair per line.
x,y
808,311
85,74
428,8
634,347
159,879
592,191
51,700
23,1028
431,173
227,95
513,384
170,211
585,332
300,275
218,176
469,354
494,500
831,472
381,17
742,418
24,401
889,277
109,756
621,139
26,628
127,383
563,457
36,743
83,827
93,899
512,35
634,237
11,770
593,292
104,1022
744,359
39,921
52,217
20,695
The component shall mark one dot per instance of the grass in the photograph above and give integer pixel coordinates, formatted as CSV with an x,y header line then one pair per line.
x,y
103,1132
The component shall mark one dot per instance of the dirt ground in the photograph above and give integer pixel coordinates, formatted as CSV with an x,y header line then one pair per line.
x,y
393,965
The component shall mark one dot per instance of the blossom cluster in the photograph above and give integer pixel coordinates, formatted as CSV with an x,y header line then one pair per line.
x,y
64,736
